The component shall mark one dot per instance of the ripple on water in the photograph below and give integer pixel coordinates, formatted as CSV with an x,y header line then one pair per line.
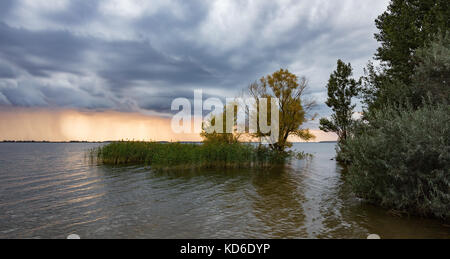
x,y
50,191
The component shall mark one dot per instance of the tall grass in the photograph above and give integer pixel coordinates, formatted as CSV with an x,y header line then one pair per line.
x,y
187,156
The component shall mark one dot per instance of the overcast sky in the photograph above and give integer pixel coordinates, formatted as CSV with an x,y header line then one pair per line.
x,y
137,55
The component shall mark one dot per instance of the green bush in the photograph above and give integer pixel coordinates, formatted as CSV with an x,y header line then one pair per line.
x,y
187,156
401,160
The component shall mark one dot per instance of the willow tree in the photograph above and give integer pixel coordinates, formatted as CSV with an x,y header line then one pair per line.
x,y
293,108
215,128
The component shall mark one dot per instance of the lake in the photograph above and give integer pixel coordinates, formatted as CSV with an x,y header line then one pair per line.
x,y
51,190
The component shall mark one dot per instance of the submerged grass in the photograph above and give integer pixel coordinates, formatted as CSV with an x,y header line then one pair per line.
x,y
188,156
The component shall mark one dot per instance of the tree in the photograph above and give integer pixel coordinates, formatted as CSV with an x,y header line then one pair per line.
x,y
209,135
341,90
406,26
293,107
397,155
431,79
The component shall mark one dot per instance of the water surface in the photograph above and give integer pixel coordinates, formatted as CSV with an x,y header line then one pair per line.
x,y
51,191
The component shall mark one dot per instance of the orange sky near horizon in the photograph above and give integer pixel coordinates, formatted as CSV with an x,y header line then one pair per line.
x,y
66,125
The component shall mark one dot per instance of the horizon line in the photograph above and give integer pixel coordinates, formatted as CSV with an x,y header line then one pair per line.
x,y
110,141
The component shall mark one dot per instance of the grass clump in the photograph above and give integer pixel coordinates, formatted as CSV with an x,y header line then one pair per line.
x,y
302,155
187,156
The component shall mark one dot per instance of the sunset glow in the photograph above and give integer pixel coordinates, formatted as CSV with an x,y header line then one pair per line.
x,y
67,125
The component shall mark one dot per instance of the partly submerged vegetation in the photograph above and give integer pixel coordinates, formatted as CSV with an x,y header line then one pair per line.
x,y
222,149
397,154
401,160
188,156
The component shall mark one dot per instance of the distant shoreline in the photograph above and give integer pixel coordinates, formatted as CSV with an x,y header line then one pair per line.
x,y
110,141
53,142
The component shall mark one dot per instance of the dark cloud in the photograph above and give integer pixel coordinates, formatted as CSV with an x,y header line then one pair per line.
x,y
130,61
24,96
77,13
5,7
162,101
43,52
6,72
134,55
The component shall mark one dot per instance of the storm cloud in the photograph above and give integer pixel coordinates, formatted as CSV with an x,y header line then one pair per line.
x,y
135,55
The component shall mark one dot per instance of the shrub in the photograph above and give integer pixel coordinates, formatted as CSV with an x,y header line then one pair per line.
x,y
401,160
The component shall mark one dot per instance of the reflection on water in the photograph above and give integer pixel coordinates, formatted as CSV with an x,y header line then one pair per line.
x,y
50,191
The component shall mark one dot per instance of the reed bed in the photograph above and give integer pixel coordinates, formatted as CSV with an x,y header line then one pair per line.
x,y
187,156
